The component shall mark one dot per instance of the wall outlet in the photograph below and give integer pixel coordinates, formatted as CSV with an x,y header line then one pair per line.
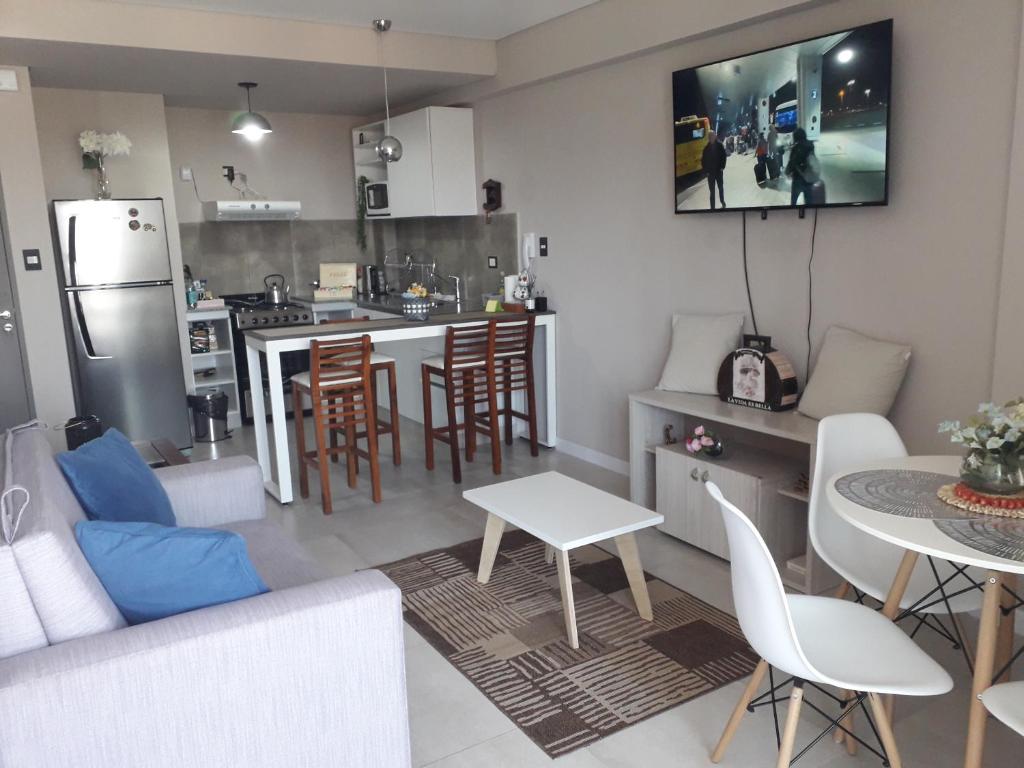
x,y
542,249
228,172
185,173
492,262
32,261
8,80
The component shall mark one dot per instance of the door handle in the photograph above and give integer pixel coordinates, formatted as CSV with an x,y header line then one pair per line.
x,y
8,327
5,314
694,474
704,476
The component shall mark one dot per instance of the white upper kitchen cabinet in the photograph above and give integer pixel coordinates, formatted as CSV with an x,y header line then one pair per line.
x,y
437,173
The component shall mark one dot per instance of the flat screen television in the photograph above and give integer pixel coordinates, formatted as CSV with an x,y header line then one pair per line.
x,y
801,125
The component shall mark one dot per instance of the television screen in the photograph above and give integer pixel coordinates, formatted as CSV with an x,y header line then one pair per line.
x,y
805,124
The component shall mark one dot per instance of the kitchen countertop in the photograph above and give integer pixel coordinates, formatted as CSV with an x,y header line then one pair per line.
x,y
437,317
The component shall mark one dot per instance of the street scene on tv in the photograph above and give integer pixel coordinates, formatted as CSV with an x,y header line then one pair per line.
x,y
800,125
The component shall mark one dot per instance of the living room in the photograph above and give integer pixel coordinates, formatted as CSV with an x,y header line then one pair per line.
x,y
553,138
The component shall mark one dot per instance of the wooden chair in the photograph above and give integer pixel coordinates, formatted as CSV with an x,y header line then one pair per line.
x,y
466,374
513,353
378,363
339,385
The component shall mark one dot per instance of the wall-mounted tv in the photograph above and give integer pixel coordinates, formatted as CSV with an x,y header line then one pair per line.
x,y
801,125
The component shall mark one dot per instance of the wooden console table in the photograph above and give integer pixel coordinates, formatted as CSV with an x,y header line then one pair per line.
x,y
766,452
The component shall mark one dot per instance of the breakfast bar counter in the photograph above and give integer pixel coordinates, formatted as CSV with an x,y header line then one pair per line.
x,y
271,342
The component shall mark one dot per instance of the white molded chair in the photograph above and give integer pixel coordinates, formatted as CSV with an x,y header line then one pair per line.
x,y
865,562
817,640
1006,703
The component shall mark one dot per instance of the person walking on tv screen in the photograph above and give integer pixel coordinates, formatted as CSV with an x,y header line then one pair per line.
x,y
803,168
713,163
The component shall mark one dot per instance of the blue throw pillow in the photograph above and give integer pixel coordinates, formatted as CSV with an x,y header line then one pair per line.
x,y
114,483
152,571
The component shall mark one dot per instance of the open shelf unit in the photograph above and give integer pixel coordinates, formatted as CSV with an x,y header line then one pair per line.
x,y
219,362
773,448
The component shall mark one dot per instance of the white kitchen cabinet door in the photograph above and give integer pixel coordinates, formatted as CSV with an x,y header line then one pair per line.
x,y
411,179
454,161
671,498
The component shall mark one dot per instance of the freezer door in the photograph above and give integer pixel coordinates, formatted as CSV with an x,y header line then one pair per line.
x,y
125,342
107,242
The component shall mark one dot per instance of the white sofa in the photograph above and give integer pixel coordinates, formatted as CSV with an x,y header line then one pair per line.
x,y
309,674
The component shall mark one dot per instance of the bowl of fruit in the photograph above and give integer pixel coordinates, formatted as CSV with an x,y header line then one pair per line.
x,y
416,303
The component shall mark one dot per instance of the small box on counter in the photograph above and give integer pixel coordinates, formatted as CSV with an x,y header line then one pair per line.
x,y
346,293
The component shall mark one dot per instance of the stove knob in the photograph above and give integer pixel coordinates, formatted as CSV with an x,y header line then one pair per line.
x,y
277,319
264,321
305,317
295,318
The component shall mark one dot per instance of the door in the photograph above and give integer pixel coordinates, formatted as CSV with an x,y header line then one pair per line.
x,y
109,242
125,343
411,179
15,402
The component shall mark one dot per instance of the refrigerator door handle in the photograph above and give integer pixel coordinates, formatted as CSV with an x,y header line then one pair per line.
x,y
72,226
83,328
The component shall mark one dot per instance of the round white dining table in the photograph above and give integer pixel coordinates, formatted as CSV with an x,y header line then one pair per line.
x,y
895,501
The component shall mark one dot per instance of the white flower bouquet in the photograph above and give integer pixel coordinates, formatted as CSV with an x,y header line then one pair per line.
x,y
994,439
95,146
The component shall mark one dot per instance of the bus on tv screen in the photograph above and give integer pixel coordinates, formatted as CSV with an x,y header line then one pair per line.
x,y
802,125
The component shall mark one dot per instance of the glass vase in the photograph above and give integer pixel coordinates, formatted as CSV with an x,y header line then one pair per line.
x,y
102,182
992,473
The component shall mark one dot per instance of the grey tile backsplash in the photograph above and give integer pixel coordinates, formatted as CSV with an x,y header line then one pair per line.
x,y
234,257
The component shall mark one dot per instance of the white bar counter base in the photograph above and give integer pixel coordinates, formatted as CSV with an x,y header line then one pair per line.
x,y
277,468
765,452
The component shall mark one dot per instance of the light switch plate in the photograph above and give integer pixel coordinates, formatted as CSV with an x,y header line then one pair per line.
x,y
492,262
185,173
32,260
8,80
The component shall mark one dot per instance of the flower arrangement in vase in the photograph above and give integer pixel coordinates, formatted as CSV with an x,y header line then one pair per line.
x,y
97,146
994,439
703,441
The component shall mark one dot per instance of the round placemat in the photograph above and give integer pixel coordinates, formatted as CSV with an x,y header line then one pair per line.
x,y
999,538
900,492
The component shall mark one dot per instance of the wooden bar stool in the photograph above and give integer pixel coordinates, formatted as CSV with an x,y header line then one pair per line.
x,y
339,385
466,374
513,352
378,363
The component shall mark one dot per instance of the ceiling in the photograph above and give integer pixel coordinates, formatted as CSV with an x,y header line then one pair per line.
x,y
185,78
486,19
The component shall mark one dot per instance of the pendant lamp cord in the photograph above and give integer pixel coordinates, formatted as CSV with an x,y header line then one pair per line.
x,y
387,108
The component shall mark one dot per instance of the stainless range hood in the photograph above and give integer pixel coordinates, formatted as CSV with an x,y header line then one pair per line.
x,y
252,210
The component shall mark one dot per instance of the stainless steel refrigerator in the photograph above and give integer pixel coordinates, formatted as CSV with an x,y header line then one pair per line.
x,y
120,319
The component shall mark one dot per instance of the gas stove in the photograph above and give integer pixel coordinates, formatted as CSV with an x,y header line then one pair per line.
x,y
251,310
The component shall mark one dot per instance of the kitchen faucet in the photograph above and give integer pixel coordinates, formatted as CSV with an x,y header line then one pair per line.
x,y
457,282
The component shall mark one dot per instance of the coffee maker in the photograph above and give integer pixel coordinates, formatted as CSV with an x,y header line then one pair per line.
x,y
373,283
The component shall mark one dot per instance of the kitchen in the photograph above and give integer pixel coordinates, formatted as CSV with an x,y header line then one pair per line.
x,y
188,156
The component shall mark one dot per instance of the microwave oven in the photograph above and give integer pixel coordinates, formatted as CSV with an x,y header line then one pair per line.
x,y
377,198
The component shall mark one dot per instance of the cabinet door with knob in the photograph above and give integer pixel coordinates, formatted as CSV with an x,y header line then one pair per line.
x,y
690,512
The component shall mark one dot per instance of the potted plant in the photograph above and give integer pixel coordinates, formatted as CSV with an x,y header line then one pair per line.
x,y
704,441
994,439
97,146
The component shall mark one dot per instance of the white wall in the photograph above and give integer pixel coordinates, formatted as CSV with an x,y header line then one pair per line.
x,y
586,160
307,158
25,201
63,114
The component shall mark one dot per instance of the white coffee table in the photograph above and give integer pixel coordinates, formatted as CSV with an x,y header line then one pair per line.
x,y
565,514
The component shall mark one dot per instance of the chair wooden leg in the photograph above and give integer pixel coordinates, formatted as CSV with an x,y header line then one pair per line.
x,y
300,440
507,400
1004,642
838,734
531,406
469,412
492,411
428,418
796,698
332,422
351,457
885,733
453,430
396,440
321,453
739,711
372,446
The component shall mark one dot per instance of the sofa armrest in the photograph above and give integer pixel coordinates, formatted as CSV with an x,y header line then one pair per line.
x,y
310,676
210,493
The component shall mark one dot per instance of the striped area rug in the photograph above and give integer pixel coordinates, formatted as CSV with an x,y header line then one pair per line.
x,y
508,638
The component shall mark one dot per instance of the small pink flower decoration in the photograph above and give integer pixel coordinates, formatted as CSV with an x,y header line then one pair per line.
x,y
706,441
699,431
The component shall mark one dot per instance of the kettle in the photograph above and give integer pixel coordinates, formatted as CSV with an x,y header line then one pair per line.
x,y
277,291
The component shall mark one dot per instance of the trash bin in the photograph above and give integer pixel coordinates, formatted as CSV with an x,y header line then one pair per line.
x,y
81,429
209,417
